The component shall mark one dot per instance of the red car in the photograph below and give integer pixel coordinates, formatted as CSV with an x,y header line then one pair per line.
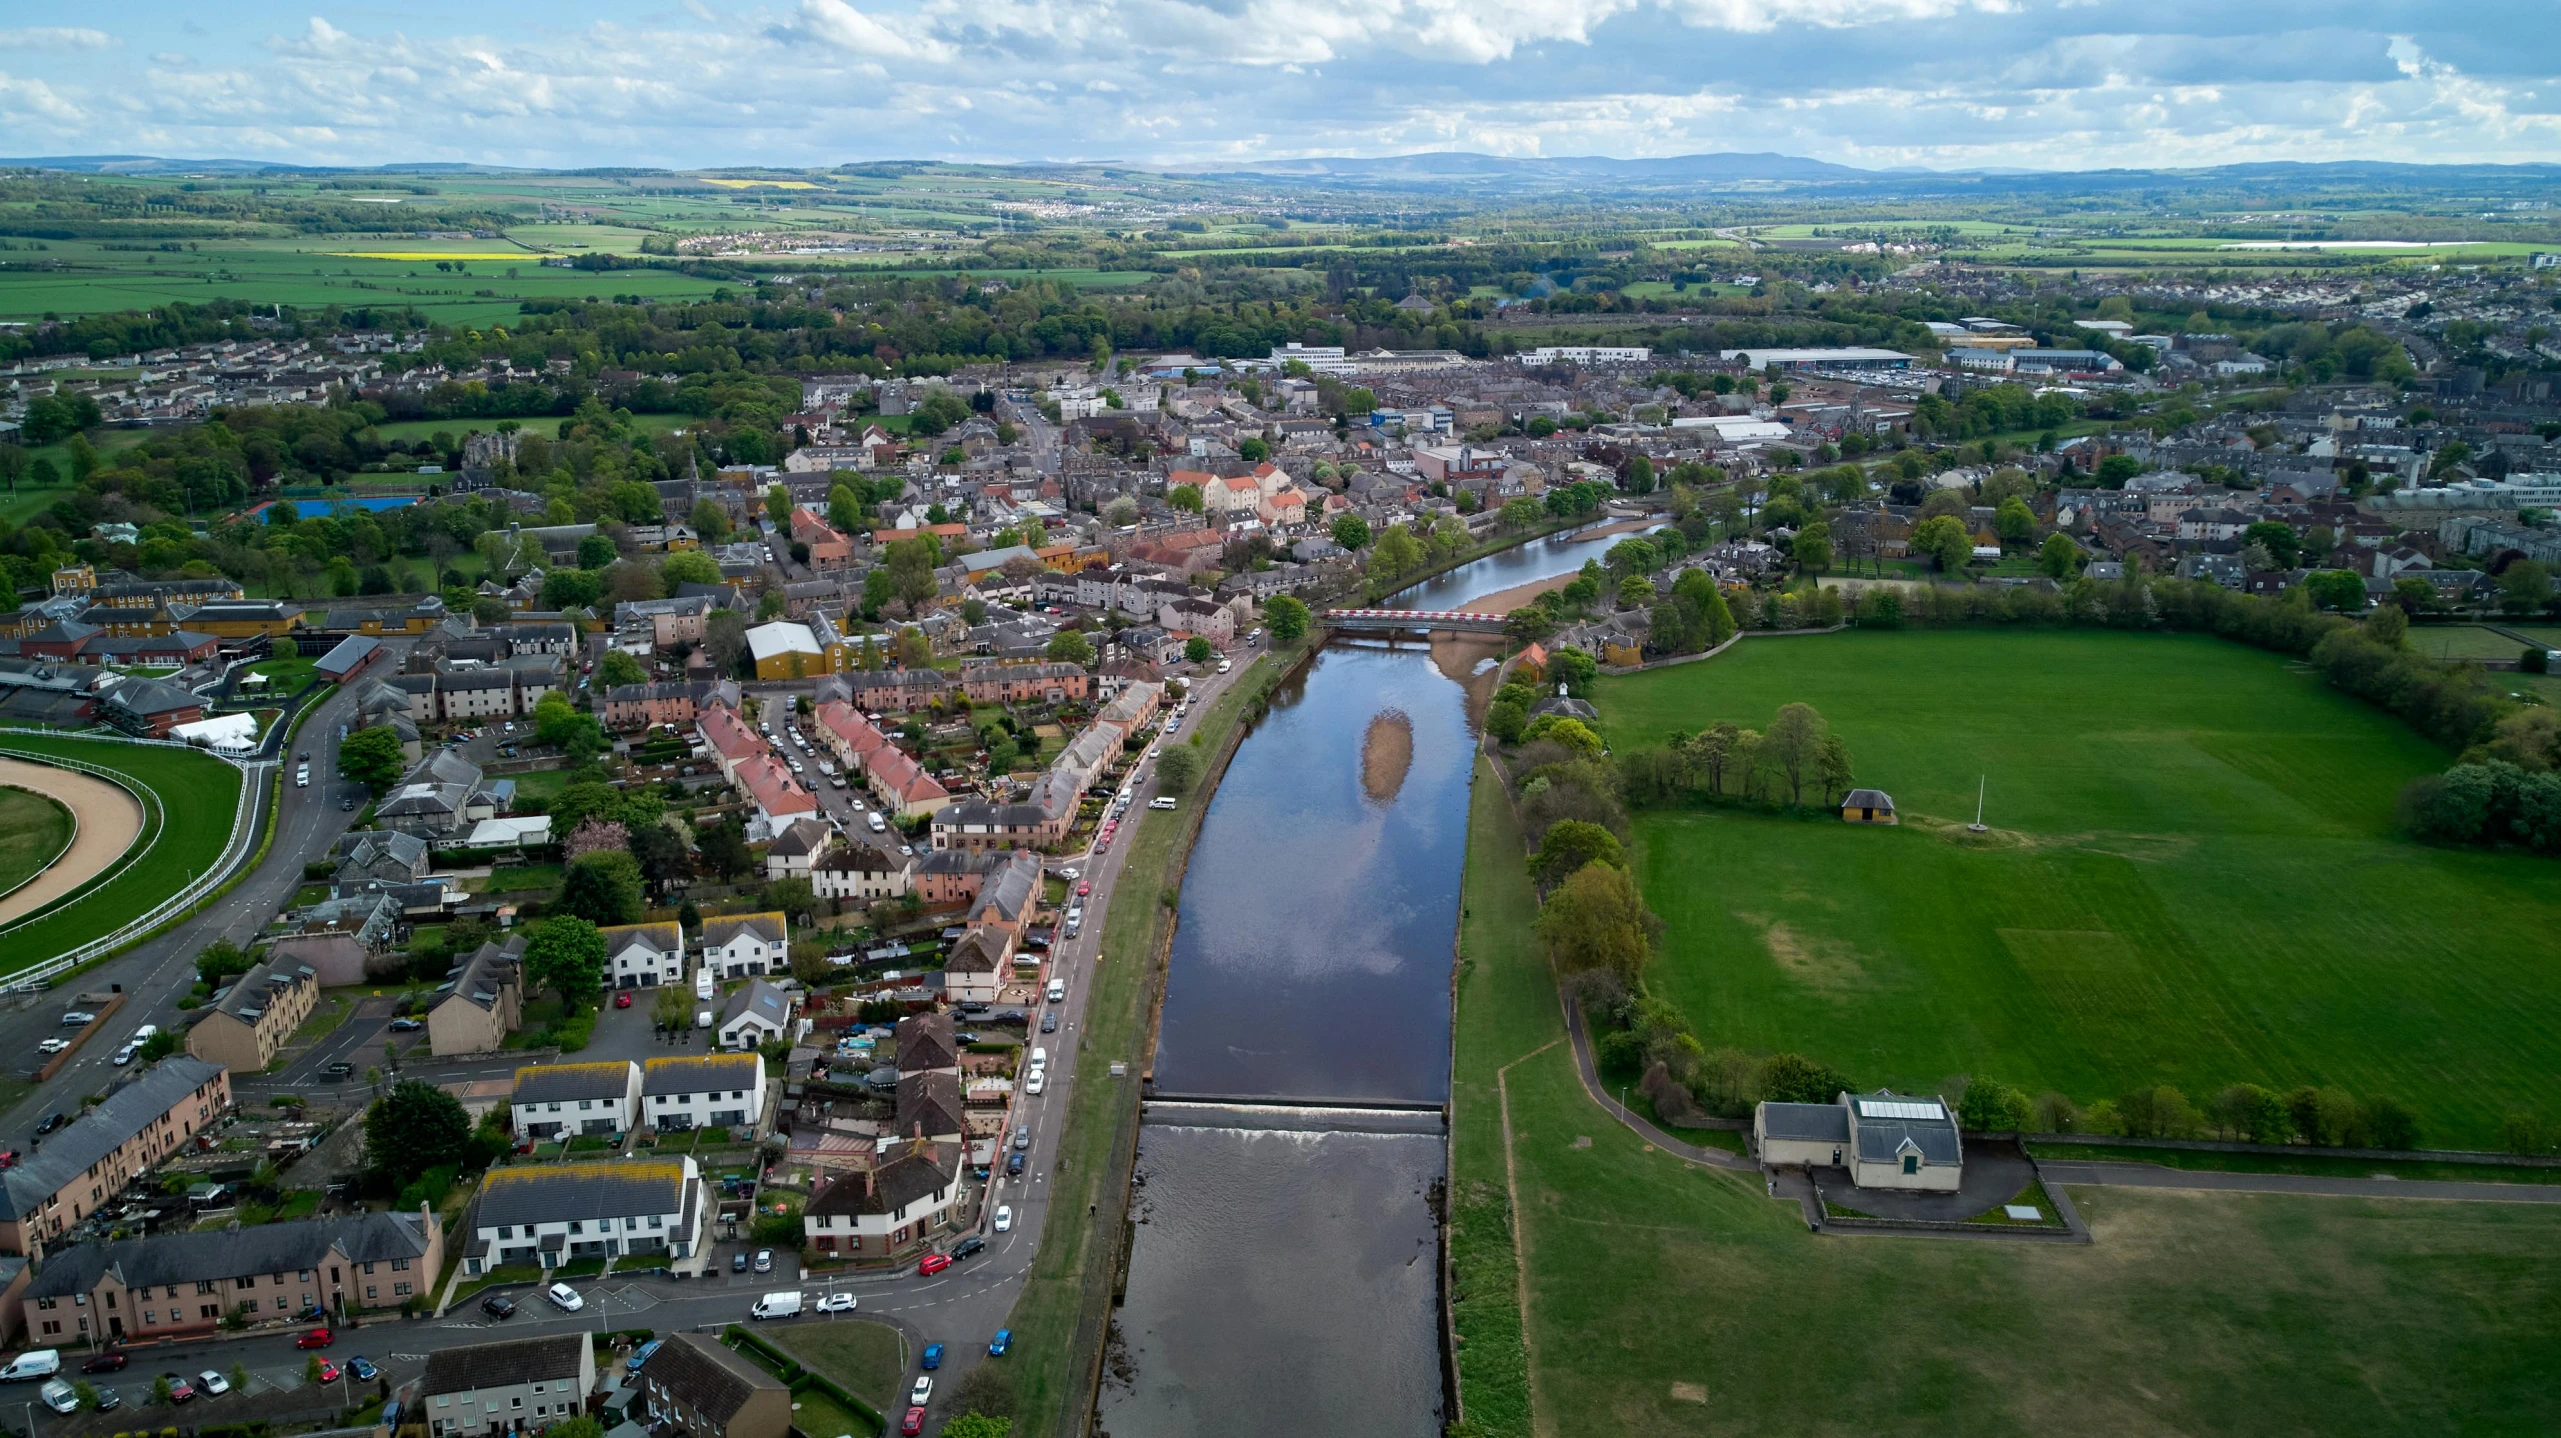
x,y
111,1360
316,1338
1084,888
623,1000
933,1263
913,1423
328,1371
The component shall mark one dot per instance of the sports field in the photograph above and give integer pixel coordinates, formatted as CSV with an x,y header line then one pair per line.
x,y
1662,1298
2193,880
202,792
33,830
2463,641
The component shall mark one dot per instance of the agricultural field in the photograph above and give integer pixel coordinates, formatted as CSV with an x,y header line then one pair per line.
x,y
176,782
1654,1297
2192,878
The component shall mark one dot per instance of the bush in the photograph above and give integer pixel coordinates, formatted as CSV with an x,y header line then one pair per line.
x,y
1793,1078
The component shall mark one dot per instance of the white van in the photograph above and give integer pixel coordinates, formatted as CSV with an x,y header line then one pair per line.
x,y
702,982
59,1396
302,777
33,1364
877,826
1040,1058
1058,991
777,1305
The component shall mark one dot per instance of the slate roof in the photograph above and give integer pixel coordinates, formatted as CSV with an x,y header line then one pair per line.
x,y
706,1377
559,1192
1010,892
247,999
174,1258
1868,799
761,999
716,932
502,1365
1885,1121
928,1103
552,1083
665,938
1806,1122
927,1041
894,1185
710,1073
479,979
67,1155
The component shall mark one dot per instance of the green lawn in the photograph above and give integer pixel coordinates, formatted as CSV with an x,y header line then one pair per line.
x,y
868,1359
34,830
2193,880
197,792
1663,1298
2462,641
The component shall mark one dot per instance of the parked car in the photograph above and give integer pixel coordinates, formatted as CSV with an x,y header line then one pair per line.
x,y
912,1424
339,1070
1085,888
328,1371
1014,1166
738,1261
51,1122
124,1056
1022,1137
997,1345
1034,1082
111,1360
109,1400
933,1358
923,1392
53,1046
407,1026
623,1000
1004,1218
931,1264
968,1248
1049,1023
362,1369
316,1338
59,1396
565,1297
78,1019
836,1303
764,1260
180,1390
642,1356
498,1305
212,1384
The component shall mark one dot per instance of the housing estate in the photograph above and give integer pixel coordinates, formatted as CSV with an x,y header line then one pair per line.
x,y
85,1165
175,1285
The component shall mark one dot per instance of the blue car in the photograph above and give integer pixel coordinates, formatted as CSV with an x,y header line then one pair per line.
x,y
997,1345
362,1367
933,1357
642,1356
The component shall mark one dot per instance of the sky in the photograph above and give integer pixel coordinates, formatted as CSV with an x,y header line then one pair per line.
x,y
1947,84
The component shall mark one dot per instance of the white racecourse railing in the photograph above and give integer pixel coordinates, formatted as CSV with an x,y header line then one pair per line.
x,y
235,849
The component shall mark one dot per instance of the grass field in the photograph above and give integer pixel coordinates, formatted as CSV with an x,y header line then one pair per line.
x,y
2468,641
2193,880
201,793
1663,1298
868,1359
34,830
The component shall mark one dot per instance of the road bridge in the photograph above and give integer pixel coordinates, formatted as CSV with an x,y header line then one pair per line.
x,y
1407,621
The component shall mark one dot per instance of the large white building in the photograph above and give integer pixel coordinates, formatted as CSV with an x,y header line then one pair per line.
x,y
570,1100
1586,354
554,1213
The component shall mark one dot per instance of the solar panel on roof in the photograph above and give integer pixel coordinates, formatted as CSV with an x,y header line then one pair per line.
x,y
1898,1108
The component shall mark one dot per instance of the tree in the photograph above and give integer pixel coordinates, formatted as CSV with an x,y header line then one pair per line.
x,y
724,639
1813,552
618,668
2279,540
1197,650
793,896
571,589
911,571
778,505
1566,730
566,954
1834,764
604,888
373,758
1070,646
1793,1078
2014,521
415,1127
721,849
2338,589
1991,1106
662,856
1179,767
2059,558
1351,531
978,1425
711,520
1287,617
1185,497
1569,844
1635,592
1943,538
2116,469
1795,743
688,566
1520,513
1396,552
2525,584
1596,919
1573,669
1121,513
844,511
575,735
1638,478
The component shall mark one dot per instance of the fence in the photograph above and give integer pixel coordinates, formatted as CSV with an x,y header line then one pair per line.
x,y
244,829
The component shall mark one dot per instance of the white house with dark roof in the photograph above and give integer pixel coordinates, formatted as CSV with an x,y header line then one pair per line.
x,y
520,1385
1883,1140
563,1100
713,1091
902,1200
639,956
743,945
554,1213
756,1014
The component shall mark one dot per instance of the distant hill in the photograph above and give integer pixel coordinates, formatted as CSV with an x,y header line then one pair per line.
x,y
1459,164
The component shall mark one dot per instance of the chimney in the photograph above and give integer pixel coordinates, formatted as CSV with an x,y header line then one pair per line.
x,y
870,1183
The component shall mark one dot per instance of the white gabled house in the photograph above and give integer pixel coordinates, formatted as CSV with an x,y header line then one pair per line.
x,y
640,956
744,945
714,1091
567,1100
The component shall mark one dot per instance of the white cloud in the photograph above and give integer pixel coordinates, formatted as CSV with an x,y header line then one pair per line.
x,y
837,24
56,39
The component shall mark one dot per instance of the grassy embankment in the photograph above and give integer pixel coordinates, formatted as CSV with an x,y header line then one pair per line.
x,y
1666,1298
2193,878
188,821
1076,1250
34,830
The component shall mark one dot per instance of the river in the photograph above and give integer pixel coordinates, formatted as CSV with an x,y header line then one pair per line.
x,y
1283,1279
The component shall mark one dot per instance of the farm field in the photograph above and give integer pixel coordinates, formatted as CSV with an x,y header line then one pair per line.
x,y
2193,880
189,783
2192,1313
33,830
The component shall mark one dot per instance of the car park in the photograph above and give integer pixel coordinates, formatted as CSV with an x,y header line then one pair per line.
x,y
738,1261
212,1384
1004,1218
565,1297
498,1305
109,1400
933,1358
78,1019
316,1338
53,1046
